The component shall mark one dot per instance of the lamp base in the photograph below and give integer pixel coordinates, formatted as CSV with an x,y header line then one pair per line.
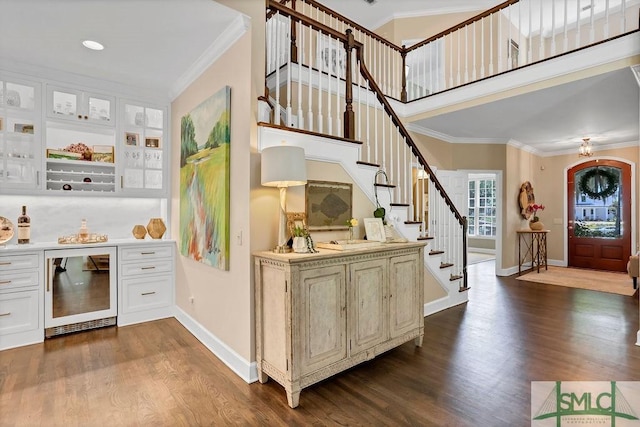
x,y
282,249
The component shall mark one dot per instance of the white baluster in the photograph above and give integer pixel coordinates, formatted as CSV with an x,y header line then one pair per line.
x,y
482,47
491,17
451,50
592,31
509,25
339,73
278,53
553,29
466,53
578,41
541,53
459,64
289,76
530,44
623,17
321,66
310,75
606,20
499,42
384,136
473,57
565,40
329,74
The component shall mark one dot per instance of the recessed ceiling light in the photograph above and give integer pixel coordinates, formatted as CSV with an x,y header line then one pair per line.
x,y
90,44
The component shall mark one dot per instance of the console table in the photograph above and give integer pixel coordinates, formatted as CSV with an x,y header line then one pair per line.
x,y
319,314
534,243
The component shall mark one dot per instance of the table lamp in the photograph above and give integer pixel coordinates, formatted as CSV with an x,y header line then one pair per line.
x,y
283,166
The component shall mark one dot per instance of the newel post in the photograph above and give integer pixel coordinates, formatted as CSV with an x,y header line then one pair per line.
x,y
403,94
349,117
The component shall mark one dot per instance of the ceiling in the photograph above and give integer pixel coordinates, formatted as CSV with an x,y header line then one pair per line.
x,y
153,44
148,43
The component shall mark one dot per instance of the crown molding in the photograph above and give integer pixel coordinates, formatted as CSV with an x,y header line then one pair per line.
x,y
236,29
594,149
448,138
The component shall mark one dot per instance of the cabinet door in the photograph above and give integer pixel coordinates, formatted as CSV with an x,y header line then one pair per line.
x,y
321,315
20,134
78,106
143,148
367,304
405,307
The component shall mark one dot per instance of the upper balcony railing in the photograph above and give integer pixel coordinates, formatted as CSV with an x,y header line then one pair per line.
x,y
511,35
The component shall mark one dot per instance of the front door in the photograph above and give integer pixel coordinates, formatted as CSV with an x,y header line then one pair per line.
x,y
599,215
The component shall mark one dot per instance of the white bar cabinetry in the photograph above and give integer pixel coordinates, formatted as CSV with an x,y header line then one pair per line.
x,y
21,302
146,276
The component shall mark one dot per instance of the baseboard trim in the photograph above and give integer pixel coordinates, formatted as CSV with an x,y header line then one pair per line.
x,y
514,270
443,303
248,371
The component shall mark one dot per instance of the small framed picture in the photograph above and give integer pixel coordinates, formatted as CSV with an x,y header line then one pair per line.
x,y
131,139
374,229
296,220
23,128
152,142
103,153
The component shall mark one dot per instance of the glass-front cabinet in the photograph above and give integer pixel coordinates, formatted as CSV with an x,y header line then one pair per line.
x,y
20,133
142,148
76,105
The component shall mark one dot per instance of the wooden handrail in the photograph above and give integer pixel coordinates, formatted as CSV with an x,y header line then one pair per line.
x,y
309,22
462,24
353,24
396,121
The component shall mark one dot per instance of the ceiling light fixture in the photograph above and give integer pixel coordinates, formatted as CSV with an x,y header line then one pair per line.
x,y
93,45
585,148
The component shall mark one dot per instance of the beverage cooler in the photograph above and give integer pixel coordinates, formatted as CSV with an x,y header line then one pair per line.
x,y
81,290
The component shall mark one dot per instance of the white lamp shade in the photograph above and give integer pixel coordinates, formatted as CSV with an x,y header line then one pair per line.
x,y
283,166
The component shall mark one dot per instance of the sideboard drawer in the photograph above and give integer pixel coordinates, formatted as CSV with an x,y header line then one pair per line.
x,y
18,279
18,312
152,266
17,262
146,293
145,252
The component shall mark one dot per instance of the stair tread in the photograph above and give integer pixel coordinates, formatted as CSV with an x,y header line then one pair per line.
x,y
384,185
400,204
435,252
425,238
445,265
413,222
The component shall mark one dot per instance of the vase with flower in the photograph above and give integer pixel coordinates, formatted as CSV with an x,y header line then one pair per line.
x,y
351,223
534,222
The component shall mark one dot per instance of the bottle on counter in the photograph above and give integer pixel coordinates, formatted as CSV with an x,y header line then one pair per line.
x,y
24,227
83,233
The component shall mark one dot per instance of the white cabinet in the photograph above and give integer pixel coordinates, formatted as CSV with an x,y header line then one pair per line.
x,y
20,133
146,277
21,303
80,106
319,314
142,146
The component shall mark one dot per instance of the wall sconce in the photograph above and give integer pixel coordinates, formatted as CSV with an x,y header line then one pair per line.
x,y
585,148
283,166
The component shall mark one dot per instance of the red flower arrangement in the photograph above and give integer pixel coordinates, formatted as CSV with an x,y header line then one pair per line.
x,y
533,209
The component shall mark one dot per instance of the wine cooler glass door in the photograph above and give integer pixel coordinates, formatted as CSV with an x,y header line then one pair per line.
x,y
80,285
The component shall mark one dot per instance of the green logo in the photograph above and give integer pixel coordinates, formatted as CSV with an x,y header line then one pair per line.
x,y
580,405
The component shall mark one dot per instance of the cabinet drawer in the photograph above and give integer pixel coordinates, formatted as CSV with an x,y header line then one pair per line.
x,y
18,312
146,293
18,279
145,252
16,262
152,266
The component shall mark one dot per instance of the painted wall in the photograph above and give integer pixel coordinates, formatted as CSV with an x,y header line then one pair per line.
x,y
481,243
222,300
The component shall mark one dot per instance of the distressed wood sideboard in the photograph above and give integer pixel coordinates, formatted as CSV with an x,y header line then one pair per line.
x,y
320,314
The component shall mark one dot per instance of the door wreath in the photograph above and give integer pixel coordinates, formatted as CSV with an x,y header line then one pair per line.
x,y
598,183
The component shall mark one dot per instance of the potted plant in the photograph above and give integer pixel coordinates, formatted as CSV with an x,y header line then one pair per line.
x,y
534,222
302,242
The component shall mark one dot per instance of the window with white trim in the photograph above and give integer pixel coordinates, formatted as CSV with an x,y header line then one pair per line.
x,y
481,217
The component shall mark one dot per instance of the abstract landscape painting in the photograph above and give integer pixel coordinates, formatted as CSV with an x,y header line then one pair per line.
x,y
204,181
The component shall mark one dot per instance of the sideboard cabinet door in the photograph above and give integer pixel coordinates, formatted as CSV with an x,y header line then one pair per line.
x,y
322,317
403,293
368,304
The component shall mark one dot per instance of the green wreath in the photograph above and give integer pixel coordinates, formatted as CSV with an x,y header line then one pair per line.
x,y
601,190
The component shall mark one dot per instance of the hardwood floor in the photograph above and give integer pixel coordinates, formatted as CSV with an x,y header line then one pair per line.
x,y
475,368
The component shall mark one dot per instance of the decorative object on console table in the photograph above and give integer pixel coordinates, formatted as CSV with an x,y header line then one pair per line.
x,y
204,181
83,233
156,228
283,166
374,229
535,223
351,223
139,231
24,227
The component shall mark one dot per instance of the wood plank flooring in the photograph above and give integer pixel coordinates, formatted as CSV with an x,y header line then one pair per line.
x,y
475,369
